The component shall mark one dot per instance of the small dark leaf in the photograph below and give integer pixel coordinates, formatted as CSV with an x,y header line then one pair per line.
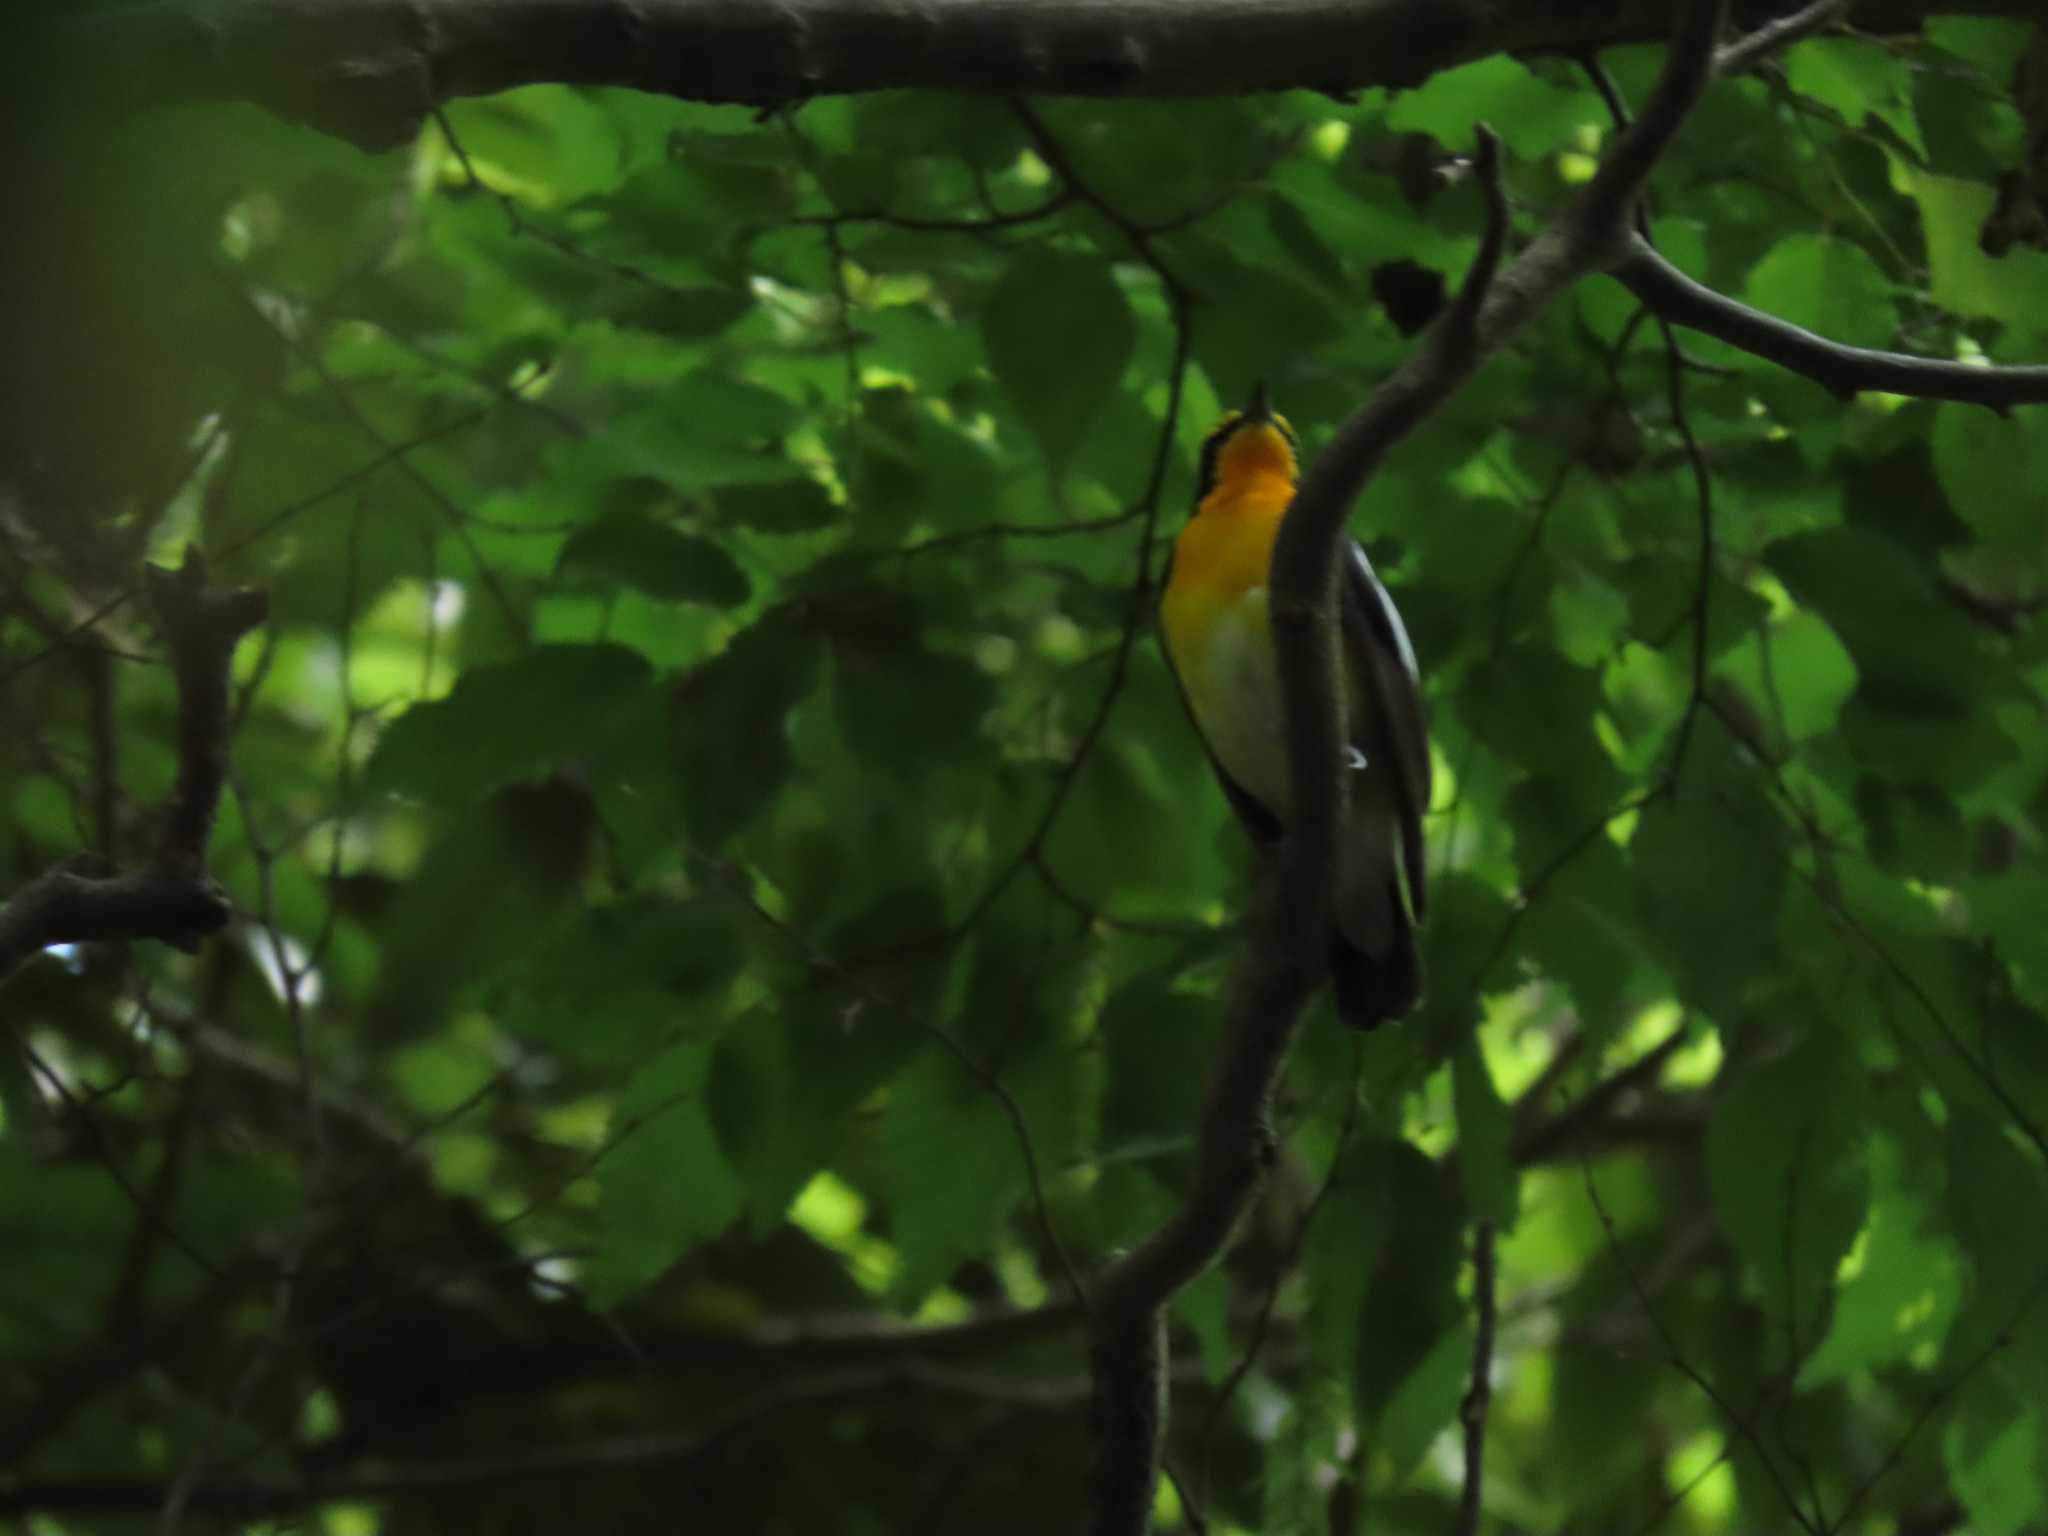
x,y
779,506
506,722
655,559
728,726
1411,293
1059,332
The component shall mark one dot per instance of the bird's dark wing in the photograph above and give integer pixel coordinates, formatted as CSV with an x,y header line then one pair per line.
x,y
1259,823
1394,734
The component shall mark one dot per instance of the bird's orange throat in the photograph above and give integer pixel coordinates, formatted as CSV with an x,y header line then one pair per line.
x,y
1255,452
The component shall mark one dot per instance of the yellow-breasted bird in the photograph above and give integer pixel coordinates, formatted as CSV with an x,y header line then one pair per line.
x,y
1213,619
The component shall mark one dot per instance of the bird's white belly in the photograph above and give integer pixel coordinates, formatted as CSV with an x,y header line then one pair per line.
x,y
1236,700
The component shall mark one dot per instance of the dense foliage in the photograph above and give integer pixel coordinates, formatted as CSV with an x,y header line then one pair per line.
x,y
731,918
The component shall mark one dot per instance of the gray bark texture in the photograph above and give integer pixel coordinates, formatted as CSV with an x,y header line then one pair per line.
x,y
370,70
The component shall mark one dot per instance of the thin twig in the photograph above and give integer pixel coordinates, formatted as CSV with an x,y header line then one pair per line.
x,y
1738,1422
1772,37
1479,1394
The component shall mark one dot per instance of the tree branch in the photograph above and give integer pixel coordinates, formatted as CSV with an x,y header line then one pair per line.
x,y
1283,964
1842,370
174,899
1535,1141
370,71
250,1498
1778,34
1479,1394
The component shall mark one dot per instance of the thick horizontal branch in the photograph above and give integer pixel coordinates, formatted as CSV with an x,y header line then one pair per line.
x,y
71,905
370,70
250,1498
1842,370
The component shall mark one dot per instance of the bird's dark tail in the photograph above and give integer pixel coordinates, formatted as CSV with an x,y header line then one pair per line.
x,y
1373,988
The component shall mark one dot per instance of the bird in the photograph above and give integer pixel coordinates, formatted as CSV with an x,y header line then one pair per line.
x,y
1219,645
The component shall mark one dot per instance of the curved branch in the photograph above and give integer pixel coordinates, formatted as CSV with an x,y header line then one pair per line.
x,y
1479,1393
1842,370
1283,964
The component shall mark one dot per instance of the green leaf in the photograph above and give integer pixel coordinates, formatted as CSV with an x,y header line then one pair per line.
x,y
1204,1305
1534,707
1988,1178
1427,1401
683,312
1986,42
840,1039
728,726
1993,1453
1796,673
1272,319
495,882
664,1186
749,1093
1413,1295
1903,1295
780,506
1491,1184
717,405
1791,1176
1059,333
1858,80
506,722
1913,650
1991,469
1159,1043
650,557
628,973
953,1165
1962,279
907,711
1826,285
541,144
1532,116
1346,1243
1709,880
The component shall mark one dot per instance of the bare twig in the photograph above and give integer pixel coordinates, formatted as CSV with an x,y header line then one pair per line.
x,y
1146,506
1842,370
1746,53
985,1077
1737,1422
1998,1341
1479,1395
1543,1139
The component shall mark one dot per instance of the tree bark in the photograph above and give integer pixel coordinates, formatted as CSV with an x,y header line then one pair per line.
x,y
370,70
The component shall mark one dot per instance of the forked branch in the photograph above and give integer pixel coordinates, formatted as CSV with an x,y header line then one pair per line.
x,y
1235,1142
172,899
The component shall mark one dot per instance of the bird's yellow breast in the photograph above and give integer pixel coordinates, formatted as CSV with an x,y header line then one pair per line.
x,y
1214,619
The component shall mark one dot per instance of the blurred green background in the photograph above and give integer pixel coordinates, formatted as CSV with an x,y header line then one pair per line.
x,y
729,906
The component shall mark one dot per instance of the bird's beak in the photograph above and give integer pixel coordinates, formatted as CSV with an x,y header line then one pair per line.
x,y
1261,407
